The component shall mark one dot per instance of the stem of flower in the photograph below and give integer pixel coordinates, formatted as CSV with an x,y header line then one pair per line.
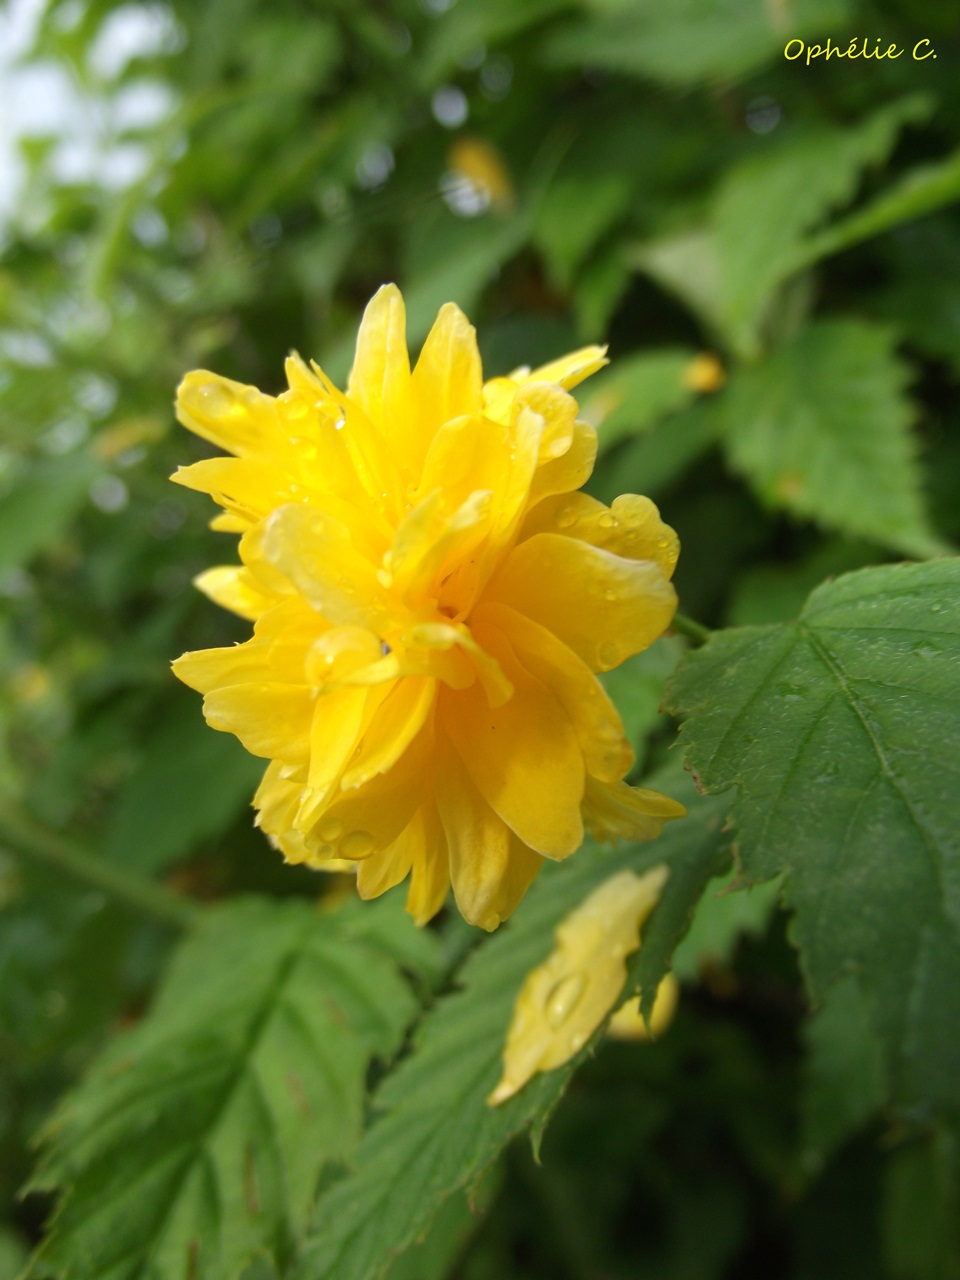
x,y
692,630
28,839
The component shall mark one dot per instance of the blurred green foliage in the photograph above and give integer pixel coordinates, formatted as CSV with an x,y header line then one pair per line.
x,y
226,181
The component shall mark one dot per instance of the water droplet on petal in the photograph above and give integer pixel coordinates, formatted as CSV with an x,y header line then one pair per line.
x,y
566,516
563,998
340,423
610,596
329,829
215,400
607,521
609,655
296,408
358,844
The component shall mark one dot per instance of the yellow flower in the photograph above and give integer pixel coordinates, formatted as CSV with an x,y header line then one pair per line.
x,y
431,599
564,1000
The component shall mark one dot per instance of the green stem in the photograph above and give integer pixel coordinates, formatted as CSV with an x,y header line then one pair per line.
x,y
692,630
21,835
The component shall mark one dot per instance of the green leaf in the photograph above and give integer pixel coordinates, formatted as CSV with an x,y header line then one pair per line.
x,y
845,1083
823,428
637,392
187,787
197,1139
34,514
727,912
782,193
636,687
920,191
436,1133
841,733
921,1229
688,40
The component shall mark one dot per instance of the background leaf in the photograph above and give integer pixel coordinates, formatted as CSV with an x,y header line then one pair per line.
x,y
436,1133
196,1142
853,710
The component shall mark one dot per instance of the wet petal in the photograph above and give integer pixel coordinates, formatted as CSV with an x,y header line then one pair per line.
x,y
398,720
606,752
236,417
565,999
628,1023
630,527
614,810
235,588
243,487
522,756
600,605
489,867
447,380
271,720
430,875
380,378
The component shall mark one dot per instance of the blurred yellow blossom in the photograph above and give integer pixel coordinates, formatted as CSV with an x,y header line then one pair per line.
x,y
431,599
483,165
628,1022
704,373
564,1000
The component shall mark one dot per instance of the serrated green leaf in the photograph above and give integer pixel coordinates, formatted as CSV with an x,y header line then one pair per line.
x,y
783,193
822,428
841,733
727,912
437,1133
844,1080
197,1140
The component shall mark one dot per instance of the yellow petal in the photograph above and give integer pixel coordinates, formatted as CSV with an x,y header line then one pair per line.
x,y
207,669
315,553
600,605
522,756
380,378
246,488
233,416
570,370
569,471
628,1023
337,723
359,822
235,588
614,810
447,381
606,752
397,721
565,999
630,527
271,720
386,868
429,875
490,868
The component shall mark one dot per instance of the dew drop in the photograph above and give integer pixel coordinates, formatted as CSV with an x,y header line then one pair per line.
x,y
609,655
566,517
936,607
926,650
215,400
329,829
792,692
610,596
340,423
607,521
358,844
296,409
563,998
